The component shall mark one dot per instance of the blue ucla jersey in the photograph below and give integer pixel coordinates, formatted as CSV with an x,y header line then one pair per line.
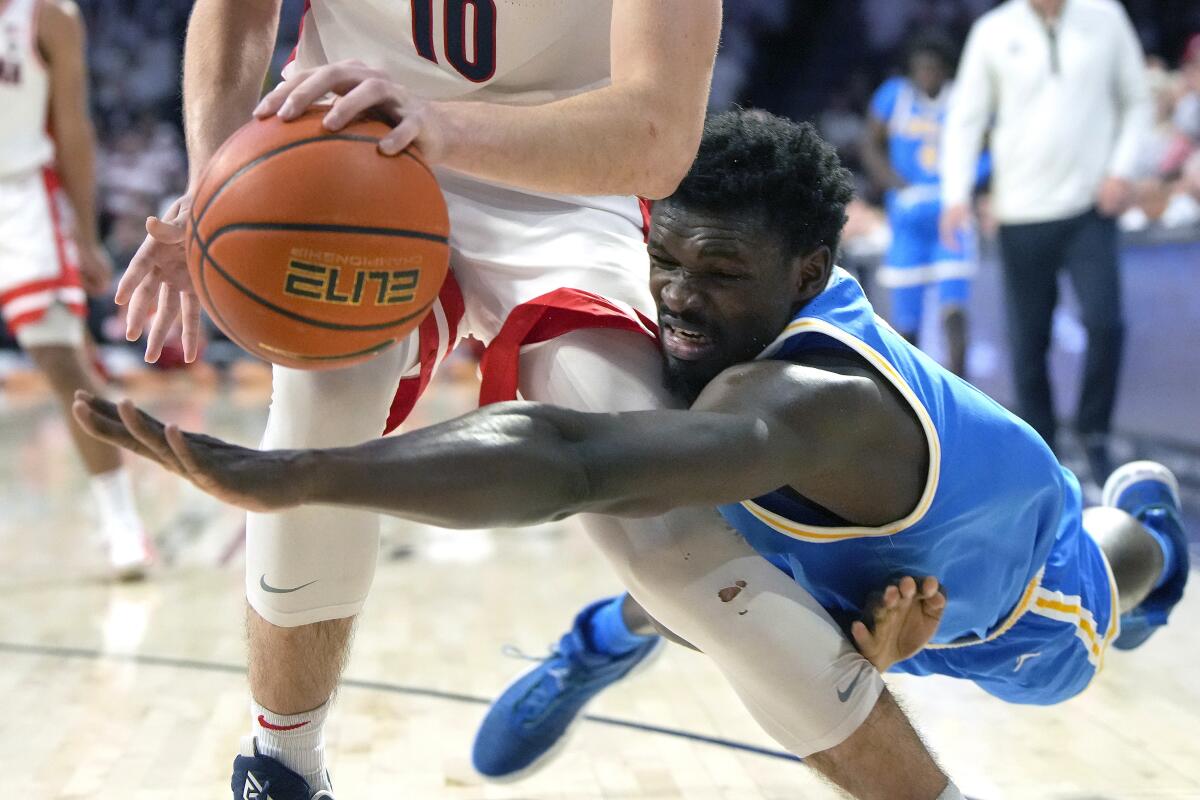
x,y
994,502
914,123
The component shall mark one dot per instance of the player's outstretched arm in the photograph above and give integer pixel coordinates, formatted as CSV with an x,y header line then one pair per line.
x,y
522,463
637,135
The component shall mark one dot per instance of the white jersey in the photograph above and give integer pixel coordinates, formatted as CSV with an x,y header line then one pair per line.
x,y
500,51
25,145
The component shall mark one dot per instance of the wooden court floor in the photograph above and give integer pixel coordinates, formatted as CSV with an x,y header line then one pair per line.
x,y
136,690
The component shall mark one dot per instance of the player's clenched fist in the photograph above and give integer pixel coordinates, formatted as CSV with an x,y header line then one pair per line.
x,y
157,287
360,89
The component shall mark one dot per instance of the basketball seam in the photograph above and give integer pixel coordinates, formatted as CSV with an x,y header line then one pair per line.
x,y
270,154
322,228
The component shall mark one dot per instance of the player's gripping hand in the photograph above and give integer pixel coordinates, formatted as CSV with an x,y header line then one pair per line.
x,y
158,288
256,480
904,617
361,89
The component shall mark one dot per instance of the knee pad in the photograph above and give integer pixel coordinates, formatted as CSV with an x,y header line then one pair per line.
x,y
316,563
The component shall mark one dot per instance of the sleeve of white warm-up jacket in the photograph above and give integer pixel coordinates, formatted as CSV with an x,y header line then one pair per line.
x,y
1135,109
971,106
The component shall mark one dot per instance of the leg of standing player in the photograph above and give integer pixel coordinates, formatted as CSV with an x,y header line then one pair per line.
x,y
55,343
677,566
304,588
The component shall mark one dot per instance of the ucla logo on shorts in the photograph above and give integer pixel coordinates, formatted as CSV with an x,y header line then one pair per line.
x,y
349,286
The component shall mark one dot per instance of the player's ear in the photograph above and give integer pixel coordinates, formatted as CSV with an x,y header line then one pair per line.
x,y
811,273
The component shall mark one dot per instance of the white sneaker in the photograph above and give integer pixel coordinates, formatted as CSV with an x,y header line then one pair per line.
x,y
130,552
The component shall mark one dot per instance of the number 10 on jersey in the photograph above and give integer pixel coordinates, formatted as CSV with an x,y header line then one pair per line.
x,y
479,66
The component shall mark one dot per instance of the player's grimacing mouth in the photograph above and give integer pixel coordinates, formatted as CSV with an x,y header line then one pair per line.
x,y
685,341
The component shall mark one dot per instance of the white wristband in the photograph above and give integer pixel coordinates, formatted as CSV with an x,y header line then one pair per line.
x,y
951,792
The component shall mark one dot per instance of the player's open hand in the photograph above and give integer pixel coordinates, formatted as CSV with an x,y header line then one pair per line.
x,y
360,89
903,619
157,285
256,480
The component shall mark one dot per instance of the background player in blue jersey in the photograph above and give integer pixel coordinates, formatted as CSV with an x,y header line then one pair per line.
x,y
866,462
900,151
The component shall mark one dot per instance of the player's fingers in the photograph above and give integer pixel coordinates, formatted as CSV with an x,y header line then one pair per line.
x,y
98,405
168,310
149,431
934,605
182,450
929,586
907,587
273,99
141,303
862,637
169,233
370,93
400,137
140,266
190,307
891,596
107,429
337,78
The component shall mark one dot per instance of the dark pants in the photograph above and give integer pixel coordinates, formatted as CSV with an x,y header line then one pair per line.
x,y
1034,254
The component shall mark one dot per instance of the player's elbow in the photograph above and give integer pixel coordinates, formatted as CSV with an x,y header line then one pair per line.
x,y
666,168
668,147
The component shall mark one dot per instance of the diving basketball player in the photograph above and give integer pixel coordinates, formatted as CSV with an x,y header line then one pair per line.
x,y
544,120
50,251
864,459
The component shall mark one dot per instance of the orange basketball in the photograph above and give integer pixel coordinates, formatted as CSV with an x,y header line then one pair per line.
x,y
311,249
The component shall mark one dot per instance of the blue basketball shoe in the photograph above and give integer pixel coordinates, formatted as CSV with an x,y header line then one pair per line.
x,y
1149,492
257,777
527,725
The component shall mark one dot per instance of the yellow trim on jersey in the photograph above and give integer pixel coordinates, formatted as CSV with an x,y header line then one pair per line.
x,y
1070,609
824,534
1019,610
1114,619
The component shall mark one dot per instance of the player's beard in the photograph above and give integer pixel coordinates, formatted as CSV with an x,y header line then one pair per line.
x,y
685,380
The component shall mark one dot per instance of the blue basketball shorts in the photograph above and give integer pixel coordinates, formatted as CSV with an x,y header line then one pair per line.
x,y
917,259
1052,644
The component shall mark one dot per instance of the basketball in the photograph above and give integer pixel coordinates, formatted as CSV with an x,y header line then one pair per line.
x,y
311,249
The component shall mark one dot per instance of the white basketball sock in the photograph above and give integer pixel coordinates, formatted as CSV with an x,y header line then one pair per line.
x,y
113,491
295,740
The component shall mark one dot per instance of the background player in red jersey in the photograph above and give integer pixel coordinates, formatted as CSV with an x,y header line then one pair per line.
x,y
50,251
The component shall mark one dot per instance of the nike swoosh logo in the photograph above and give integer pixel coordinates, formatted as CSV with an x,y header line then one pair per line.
x,y
262,582
844,695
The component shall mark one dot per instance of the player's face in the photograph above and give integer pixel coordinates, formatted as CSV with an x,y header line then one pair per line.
x,y
724,289
928,72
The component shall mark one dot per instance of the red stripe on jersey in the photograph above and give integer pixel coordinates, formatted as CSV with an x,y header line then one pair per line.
x,y
299,33
430,351
542,319
35,314
647,206
37,286
66,265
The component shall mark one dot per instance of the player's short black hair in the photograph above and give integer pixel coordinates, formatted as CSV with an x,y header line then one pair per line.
x,y
932,43
758,162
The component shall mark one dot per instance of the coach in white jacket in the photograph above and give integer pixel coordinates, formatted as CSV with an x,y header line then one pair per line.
x,y
1061,84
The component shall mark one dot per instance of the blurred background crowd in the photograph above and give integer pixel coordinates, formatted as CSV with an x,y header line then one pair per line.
x,y
817,60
